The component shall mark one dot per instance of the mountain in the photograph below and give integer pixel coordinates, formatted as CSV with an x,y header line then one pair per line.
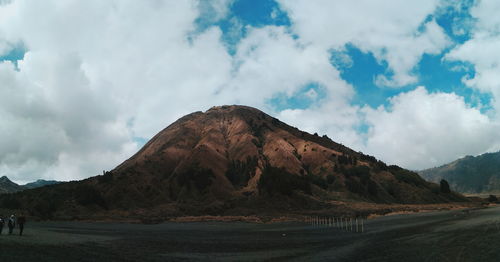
x,y
480,174
40,183
7,186
232,160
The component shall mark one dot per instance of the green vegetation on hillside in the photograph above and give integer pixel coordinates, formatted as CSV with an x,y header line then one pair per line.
x,y
239,172
479,174
277,180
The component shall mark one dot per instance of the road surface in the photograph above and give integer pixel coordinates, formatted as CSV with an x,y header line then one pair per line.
x,y
436,236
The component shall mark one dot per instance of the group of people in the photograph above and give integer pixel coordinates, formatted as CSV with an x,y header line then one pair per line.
x,y
11,223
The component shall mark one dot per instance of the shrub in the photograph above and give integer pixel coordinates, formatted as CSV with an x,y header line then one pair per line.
x,y
239,172
277,180
354,186
363,172
10,201
44,209
200,177
319,181
492,198
407,176
444,186
330,179
344,160
372,188
256,142
106,177
86,195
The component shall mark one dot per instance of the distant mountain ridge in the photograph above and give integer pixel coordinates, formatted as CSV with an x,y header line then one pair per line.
x,y
7,186
40,183
479,174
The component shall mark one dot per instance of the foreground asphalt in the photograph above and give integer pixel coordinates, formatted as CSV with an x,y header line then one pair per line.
x,y
436,236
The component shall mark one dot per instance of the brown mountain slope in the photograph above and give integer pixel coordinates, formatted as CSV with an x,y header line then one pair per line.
x,y
232,160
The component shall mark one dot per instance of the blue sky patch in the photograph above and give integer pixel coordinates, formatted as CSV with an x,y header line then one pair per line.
x,y
456,20
356,67
259,13
361,69
15,54
442,76
361,74
243,13
141,141
310,95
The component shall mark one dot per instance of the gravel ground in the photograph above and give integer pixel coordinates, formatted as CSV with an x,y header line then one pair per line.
x,y
436,236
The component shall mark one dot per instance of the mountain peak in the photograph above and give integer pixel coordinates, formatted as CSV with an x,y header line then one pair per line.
x,y
4,178
229,108
7,186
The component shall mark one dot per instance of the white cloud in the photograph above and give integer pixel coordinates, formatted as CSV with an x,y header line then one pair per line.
x,y
93,68
422,130
214,10
270,60
48,109
388,29
99,73
337,120
91,83
482,50
401,60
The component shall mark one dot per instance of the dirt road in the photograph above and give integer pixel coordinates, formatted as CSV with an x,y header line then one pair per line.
x,y
437,236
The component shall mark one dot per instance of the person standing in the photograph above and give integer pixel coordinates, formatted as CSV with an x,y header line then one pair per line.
x,y
11,223
2,223
21,220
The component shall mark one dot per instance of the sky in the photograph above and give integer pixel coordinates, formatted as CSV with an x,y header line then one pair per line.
x,y
84,84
